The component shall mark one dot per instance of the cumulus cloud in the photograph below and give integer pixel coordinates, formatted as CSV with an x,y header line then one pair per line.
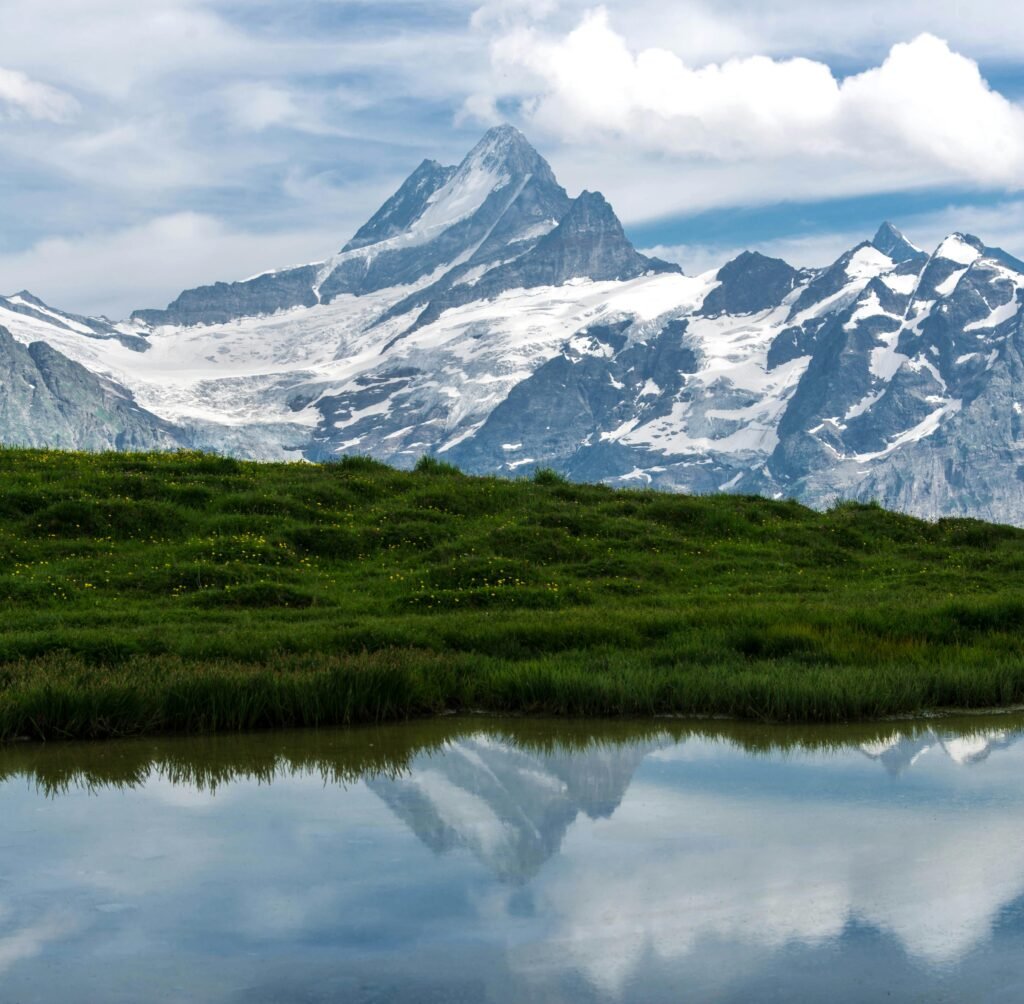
x,y
925,110
20,96
709,30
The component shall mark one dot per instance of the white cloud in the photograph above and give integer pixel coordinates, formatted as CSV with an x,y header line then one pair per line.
x,y
258,106
925,115
706,30
20,96
506,12
148,265
113,47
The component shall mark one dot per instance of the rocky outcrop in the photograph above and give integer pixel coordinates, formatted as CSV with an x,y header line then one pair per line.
x,y
588,243
226,301
750,283
46,400
405,207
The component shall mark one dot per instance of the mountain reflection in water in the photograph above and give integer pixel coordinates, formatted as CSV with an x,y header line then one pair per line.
x,y
488,860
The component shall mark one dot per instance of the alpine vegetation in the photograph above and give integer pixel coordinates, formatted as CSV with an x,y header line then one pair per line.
x,y
184,592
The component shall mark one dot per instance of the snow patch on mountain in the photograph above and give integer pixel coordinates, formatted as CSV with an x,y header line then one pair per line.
x,y
956,248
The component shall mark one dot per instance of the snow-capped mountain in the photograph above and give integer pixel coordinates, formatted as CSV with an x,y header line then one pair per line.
x,y
485,317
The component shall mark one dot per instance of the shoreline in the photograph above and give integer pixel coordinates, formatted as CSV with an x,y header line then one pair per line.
x,y
65,699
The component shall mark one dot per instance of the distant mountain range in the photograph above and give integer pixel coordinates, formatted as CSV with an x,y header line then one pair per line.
x,y
485,317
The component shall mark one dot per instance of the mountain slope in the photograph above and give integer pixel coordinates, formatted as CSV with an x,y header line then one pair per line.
x,y
48,400
483,316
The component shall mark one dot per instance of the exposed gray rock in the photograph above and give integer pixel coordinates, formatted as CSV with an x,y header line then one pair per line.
x,y
557,416
750,283
524,201
828,282
48,400
588,242
891,242
226,301
405,207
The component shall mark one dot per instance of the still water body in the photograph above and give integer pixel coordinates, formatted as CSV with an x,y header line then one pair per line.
x,y
479,860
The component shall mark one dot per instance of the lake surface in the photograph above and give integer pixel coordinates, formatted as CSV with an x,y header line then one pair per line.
x,y
473,860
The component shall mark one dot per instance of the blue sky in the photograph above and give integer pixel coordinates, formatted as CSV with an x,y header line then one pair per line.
x,y
148,147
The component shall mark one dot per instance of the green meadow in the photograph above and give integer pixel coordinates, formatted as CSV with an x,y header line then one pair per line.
x,y
195,593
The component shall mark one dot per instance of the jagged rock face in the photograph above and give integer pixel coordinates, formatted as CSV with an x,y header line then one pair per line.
x,y
48,400
895,246
224,301
503,185
588,243
484,317
916,400
750,283
600,381
404,207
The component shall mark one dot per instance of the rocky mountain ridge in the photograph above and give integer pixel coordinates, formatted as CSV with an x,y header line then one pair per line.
x,y
485,317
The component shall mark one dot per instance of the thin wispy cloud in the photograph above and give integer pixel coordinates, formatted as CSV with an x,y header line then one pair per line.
x,y
20,96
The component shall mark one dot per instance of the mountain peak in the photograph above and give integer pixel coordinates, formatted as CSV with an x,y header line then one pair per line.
x,y
887,234
589,242
894,244
750,283
589,208
503,135
503,147
404,207
963,249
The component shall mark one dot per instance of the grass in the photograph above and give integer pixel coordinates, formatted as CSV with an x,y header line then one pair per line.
x,y
195,593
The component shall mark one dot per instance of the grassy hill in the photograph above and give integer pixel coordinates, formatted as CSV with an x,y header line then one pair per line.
x,y
189,592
